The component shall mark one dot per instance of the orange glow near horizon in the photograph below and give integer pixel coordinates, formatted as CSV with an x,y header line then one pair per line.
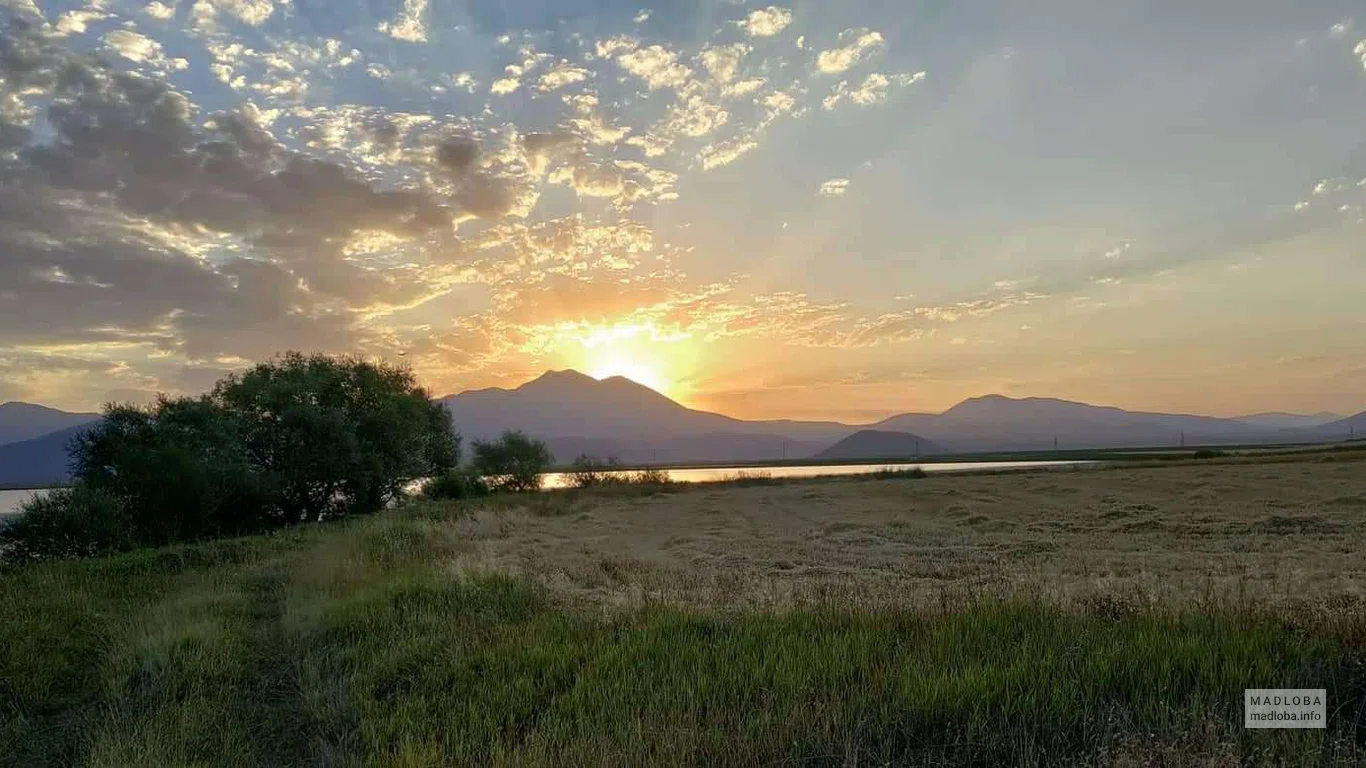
x,y
640,353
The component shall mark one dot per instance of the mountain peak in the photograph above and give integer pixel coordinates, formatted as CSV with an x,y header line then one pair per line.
x,y
567,376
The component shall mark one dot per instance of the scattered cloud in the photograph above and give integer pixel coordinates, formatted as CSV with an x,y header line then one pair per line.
x,y
410,25
835,188
859,44
141,49
562,75
872,91
657,66
767,22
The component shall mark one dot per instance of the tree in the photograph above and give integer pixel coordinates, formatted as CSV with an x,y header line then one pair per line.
x,y
178,470
514,462
338,434
290,440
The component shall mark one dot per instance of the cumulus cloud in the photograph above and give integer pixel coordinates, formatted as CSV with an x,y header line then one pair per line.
x,y
159,10
858,44
872,91
76,22
657,66
142,49
129,222
834,188
767,22
410,26
562,75
250,12
723,61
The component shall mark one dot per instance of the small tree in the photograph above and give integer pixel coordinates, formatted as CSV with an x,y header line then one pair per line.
x,y
514,462
588,471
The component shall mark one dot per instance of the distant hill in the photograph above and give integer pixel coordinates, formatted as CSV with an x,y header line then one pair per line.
x,y
25,421
995,422
1342,429
577,414
877,444
38,462
1279,420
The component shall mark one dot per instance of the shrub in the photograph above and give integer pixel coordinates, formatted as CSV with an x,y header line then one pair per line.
x,y
651,476
588,471
78,521
1205,453
513,462
455,484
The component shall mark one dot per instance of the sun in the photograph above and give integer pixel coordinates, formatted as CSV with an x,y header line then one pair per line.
x,y
636,370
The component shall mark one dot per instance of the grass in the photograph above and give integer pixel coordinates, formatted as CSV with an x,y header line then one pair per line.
x,y
358,643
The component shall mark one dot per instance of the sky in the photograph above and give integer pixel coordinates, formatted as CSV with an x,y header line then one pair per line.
x,y
811,210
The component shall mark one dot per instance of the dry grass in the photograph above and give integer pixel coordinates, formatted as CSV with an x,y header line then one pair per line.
x,y
1263,532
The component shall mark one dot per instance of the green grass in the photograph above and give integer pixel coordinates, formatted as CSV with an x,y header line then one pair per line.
x,y
354,644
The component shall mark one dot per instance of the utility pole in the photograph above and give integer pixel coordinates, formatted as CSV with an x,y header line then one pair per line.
x,y
1055,442
917,447
1183,438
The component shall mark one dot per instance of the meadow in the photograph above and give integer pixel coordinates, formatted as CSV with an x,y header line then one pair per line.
x,y
1086,617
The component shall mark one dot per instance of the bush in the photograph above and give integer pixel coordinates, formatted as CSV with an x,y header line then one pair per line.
x,y
513,462
1205,453
588,471
455,484
651,476
79,521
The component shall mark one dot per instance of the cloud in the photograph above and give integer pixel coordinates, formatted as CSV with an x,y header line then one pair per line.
x,y
250,12
142,49
159,10
859,45
872,91
767,22
723,61
75,22
835,188
717,155
560,76
410,25
128,222
657,66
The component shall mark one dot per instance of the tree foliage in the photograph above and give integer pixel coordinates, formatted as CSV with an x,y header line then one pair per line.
x,y
514,462
294,439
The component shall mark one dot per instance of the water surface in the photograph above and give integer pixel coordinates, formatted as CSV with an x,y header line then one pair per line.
x,y
10,500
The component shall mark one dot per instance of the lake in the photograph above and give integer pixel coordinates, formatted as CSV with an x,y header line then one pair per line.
x,y
10,500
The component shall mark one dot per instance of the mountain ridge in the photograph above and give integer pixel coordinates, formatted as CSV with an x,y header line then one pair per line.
x,y
20,421
575,413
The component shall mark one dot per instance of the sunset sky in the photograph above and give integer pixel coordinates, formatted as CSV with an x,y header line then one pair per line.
x,y
812,210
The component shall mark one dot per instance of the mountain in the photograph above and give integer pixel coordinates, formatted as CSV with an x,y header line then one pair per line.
x,y
996,422
39,462
876,444
577,414
24,421
1342,429
1279,420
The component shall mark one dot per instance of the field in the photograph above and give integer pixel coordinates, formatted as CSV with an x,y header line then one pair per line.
x,y
1101,616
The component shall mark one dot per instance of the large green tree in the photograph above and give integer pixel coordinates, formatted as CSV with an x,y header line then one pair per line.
x,y
338,434
293,439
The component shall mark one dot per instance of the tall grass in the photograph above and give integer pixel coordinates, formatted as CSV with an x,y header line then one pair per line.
x,y
356,643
